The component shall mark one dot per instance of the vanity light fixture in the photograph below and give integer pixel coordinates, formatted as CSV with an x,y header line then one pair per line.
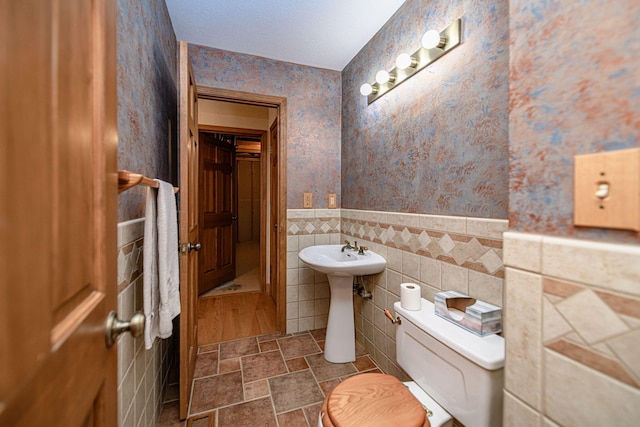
x,y
434,45
383,77
404,60
366,89
432,39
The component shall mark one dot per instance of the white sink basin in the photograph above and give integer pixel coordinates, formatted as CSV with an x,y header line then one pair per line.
x,y
329,259
340,267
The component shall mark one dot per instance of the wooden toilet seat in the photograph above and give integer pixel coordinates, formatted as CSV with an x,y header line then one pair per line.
x,y
370,400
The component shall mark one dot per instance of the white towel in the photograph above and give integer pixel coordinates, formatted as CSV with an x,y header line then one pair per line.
x,y
161,287
168,270
150,291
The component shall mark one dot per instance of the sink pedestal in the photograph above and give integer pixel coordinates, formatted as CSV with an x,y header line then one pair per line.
x,y
340,341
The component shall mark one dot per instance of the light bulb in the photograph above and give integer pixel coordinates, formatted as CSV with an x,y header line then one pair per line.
x,y
382,77
366,89
405,60
432,39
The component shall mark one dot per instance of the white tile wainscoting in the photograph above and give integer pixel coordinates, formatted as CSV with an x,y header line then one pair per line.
x,y
572,332
142,374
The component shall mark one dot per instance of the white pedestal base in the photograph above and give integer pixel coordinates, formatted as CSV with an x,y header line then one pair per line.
x,y
340,341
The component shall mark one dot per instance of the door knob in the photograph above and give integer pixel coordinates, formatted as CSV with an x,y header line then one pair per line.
x,y
234,218
194,247
114,327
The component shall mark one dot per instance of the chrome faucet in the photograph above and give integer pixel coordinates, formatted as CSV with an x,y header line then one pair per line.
x,y
348,246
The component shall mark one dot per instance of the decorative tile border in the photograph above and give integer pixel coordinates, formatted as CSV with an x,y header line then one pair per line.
x,y
593,327
478,253
473,243
312,221
588,300
130,249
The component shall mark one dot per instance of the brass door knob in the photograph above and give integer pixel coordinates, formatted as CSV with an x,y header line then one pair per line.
x,y
114,327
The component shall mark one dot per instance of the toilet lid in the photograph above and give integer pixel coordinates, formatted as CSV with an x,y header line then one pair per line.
x,y
374,400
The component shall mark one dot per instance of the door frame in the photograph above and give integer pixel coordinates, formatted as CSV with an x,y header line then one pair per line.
x,y
263,186
280,103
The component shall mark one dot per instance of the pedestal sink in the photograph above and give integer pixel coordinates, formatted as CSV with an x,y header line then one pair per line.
x,y
340,267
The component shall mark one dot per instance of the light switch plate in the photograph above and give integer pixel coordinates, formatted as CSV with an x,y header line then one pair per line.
x,y
331,201
307,201
607,189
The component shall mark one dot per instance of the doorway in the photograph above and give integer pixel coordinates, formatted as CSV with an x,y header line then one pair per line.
x,y
232,205
259,194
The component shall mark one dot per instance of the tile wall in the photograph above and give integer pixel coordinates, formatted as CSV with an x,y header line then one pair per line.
x,y
436,252
142,374
573,332
308,291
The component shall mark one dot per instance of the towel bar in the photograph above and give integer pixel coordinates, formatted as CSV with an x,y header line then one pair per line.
x,y
127,179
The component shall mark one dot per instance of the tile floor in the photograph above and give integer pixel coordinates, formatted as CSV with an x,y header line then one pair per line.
x,y
271,380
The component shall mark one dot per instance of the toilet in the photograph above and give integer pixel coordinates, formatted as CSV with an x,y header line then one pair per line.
x,y
455,374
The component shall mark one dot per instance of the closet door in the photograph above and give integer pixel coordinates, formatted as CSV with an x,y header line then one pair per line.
x,y
57,212
218,211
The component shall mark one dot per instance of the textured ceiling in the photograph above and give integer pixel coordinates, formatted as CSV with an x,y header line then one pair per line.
x,y
319,33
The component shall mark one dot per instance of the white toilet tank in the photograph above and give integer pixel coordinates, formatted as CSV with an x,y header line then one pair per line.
x,y
459,370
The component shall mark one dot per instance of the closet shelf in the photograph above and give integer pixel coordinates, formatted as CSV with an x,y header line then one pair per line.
x,y
127,179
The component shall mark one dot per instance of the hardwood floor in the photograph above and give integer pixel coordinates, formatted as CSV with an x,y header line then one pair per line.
x,y
229,317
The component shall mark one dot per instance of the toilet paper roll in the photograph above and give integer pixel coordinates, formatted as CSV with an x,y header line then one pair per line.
x,y
410,296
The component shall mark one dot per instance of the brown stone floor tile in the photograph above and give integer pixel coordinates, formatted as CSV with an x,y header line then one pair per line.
x,y
170,415
285,372
270,337
256,389
229,365
297,364
213,392
269,346
208,348
324,370
294,390
207,420
296,346
311,412
206,365
263,365
319,334
257,413
363,363
294,418
328,386
238,348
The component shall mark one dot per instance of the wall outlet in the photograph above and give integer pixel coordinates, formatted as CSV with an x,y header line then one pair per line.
x,y
307,201
331,201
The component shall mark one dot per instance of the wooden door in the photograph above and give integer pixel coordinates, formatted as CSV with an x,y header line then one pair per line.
x,y
274,204
218,210
188,226
58,212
